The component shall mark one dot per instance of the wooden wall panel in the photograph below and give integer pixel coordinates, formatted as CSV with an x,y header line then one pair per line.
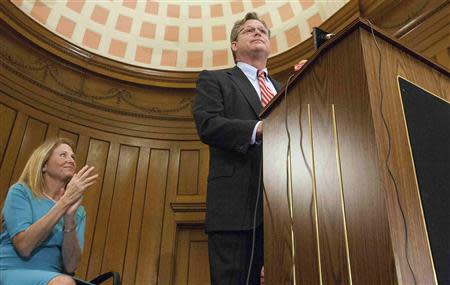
x,y
7,117
127,207
34,135
98,154
152,220
134,232
198,259
191,257
70,135
203,171
186,211
104,206
52,132
11,154
120,210
188,172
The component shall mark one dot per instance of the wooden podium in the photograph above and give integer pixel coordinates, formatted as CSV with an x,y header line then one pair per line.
x,y
342,201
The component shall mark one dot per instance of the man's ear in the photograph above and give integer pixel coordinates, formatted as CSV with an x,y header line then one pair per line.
x,y
234,46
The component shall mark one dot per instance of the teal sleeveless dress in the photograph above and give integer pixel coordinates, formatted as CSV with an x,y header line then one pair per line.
x,y
20,211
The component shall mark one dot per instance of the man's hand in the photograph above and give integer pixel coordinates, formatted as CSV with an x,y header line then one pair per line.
x,y
261,278
259,132
300,64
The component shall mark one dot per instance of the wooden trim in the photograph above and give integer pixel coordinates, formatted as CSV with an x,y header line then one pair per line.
x,y
188,207
419,20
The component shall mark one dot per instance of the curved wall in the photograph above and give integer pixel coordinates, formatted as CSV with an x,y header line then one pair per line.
x,y
142,142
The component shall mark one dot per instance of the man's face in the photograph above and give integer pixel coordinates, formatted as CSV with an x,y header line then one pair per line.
x,y
252,38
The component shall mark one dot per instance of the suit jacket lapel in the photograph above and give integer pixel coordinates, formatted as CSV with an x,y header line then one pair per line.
x,y
247,89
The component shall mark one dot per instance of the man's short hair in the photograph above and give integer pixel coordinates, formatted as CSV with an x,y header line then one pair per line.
x,y
238,24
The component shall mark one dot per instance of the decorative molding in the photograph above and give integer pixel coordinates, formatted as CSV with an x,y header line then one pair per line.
x,y
43,71
188,207
11,16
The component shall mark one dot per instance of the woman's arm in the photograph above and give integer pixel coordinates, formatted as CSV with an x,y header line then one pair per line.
x,y
26,241
71,247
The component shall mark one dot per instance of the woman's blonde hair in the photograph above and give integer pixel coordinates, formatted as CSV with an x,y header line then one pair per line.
x,y
32,174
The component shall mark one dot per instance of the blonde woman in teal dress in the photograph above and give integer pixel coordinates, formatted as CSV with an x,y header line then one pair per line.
x,y
43,220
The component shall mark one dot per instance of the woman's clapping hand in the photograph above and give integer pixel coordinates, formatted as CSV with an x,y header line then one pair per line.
x,y
73,194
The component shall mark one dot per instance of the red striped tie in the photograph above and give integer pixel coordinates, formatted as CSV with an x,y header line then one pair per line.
x,y
266,94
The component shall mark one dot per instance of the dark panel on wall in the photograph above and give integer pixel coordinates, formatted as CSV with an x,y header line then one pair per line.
x,y
428,121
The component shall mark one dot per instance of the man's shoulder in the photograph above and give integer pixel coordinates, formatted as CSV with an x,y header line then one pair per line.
x,y
221,76
218,71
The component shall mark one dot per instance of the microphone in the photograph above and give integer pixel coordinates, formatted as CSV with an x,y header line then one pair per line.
x,y
320,36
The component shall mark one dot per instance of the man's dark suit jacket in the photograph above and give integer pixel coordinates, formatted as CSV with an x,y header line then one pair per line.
x,y
226,111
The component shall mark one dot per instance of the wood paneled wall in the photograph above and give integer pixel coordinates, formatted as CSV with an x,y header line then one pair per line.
x,y
146,213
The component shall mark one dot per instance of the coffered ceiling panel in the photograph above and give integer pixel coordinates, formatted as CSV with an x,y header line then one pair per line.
x,y
173,35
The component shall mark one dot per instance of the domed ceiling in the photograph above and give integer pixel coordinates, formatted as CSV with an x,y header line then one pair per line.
x,y
173,35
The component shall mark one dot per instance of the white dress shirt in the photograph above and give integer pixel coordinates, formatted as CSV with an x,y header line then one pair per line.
x,y
252,74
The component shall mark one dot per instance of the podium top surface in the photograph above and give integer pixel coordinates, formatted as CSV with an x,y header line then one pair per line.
x,y
339,36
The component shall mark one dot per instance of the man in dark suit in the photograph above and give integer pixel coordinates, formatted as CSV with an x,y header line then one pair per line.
x,y
226,113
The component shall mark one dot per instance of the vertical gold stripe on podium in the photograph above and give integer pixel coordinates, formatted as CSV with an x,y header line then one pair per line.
x,y
341,186
291,211
314,192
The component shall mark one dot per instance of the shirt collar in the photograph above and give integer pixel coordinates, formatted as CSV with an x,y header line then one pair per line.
x,y
250,71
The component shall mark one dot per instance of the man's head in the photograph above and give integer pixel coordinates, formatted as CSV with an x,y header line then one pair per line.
x,y
250,38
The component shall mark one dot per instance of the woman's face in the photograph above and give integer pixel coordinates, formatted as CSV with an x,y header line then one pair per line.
x,y
61,163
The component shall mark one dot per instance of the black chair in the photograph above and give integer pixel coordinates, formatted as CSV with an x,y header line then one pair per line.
x,y
100,279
